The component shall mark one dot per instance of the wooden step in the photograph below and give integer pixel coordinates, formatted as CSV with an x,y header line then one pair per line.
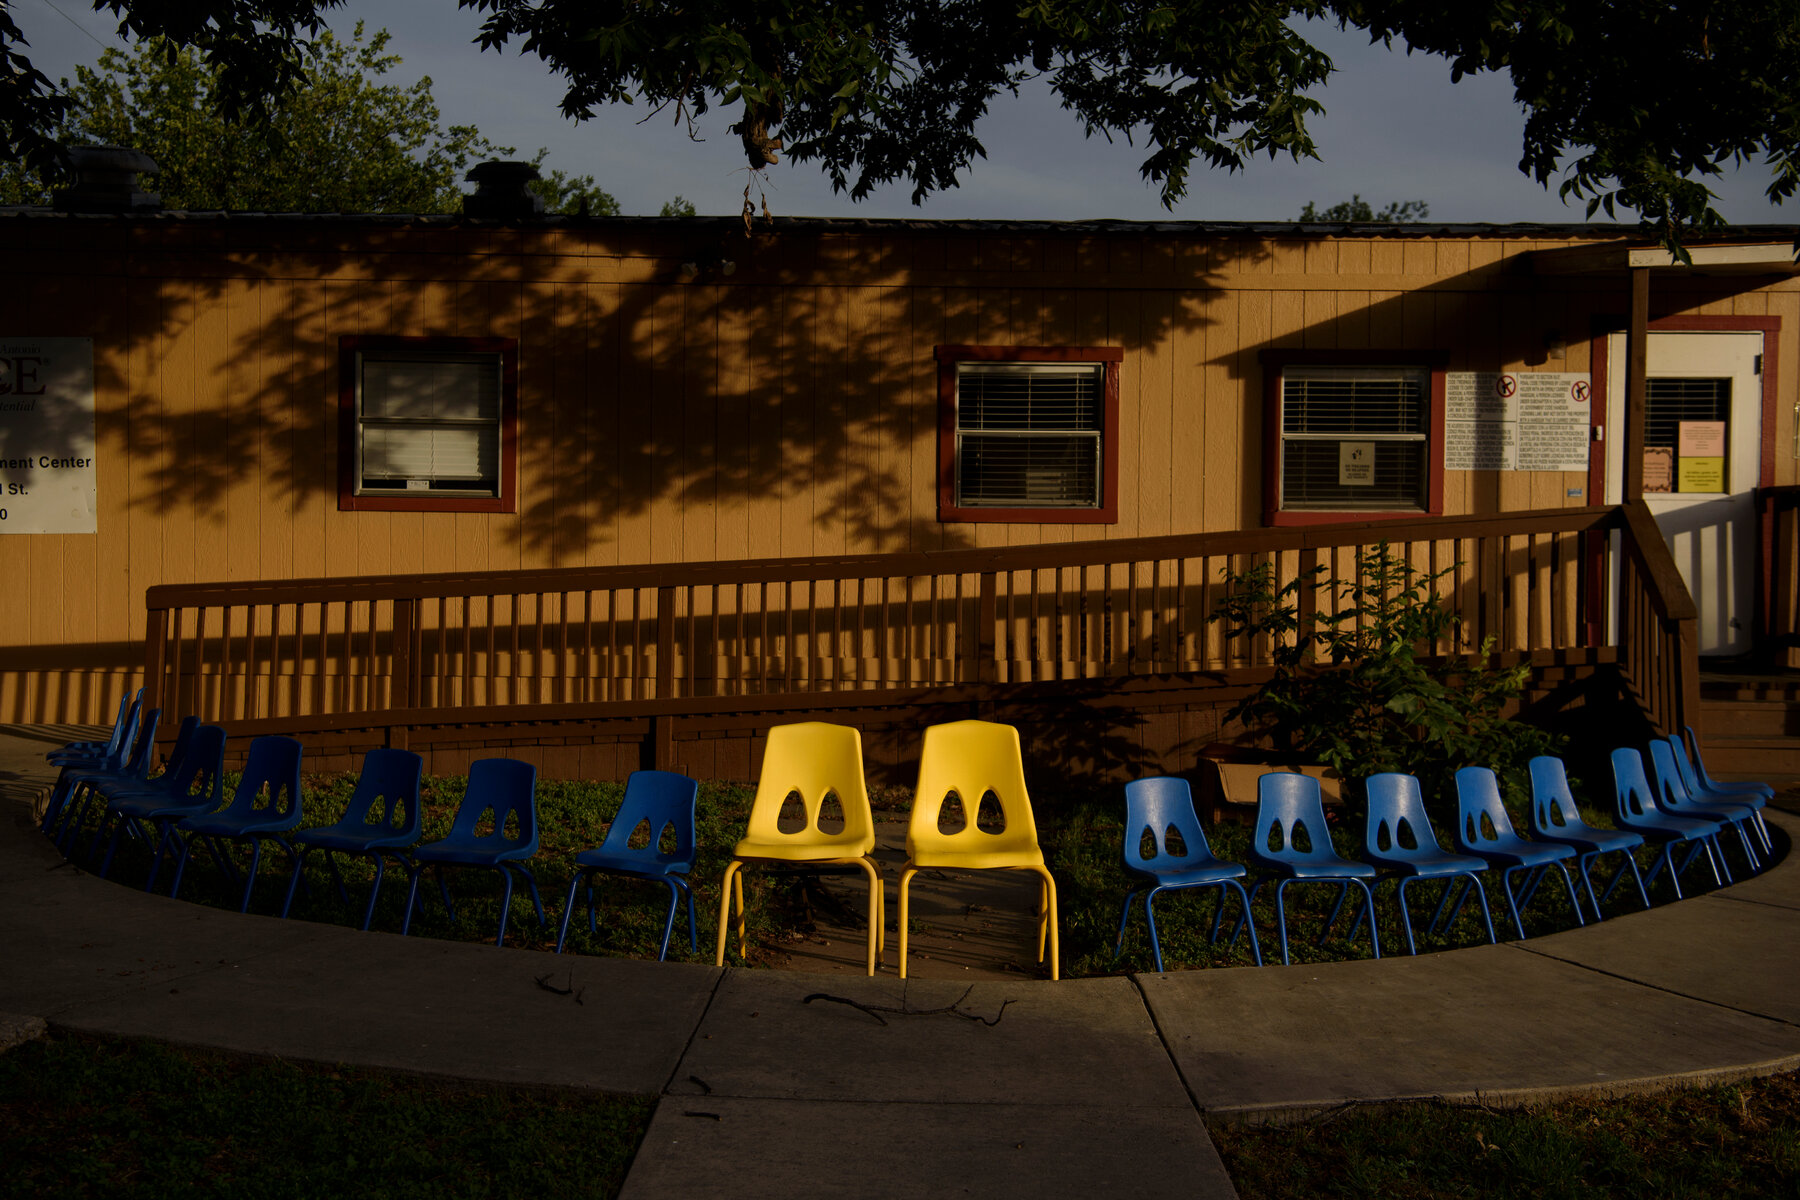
x,y
1753,732
1749,719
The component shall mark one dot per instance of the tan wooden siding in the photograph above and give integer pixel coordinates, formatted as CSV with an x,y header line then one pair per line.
x,y
788,410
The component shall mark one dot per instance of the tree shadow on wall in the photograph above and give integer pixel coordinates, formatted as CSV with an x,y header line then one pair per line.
x,y
788,408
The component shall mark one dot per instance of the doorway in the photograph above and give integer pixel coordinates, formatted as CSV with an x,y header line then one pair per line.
x,y
1702,463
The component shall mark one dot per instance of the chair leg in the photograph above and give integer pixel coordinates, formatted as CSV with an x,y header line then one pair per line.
x,y
874,937
662,954
1244,900
1150,921
562,933
905,883
1281,918
732,870
1050,918
505,903
1569,886
412,898
1124,916
1512,903
297,861
1412,947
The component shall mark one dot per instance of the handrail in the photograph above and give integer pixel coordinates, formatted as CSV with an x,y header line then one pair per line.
x,y
657,639
1778,566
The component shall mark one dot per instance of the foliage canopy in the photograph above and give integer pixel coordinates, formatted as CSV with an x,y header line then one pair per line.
x,y
1631,104
343,139
1356,209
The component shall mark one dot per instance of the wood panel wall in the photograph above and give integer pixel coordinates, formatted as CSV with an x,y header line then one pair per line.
x,y
786,409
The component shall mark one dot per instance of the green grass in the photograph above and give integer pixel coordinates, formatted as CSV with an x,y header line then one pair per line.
x,y
1739,1140
87,1117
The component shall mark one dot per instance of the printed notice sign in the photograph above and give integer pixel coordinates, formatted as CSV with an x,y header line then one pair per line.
x,y
1524,421
1659,469
1700,474
47,435
1356,464
1700,439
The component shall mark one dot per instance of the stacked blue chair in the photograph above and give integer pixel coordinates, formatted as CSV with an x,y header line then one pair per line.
x,y
1672,797
1484,829
1155,808
1708,783
86,782
266,805
93,750
192,785
500,790
108,756
1396,817
1635,809
1288,805
1555,818
663,803
1753,796
381,821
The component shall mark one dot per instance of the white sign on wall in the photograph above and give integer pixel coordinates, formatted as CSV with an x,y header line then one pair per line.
x,y
1524,421
47,477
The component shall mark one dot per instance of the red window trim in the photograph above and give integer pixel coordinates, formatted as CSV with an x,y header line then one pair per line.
x,y
506,502
1108,511
1436,361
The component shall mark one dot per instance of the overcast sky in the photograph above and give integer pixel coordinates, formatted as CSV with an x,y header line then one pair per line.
x,y
1395,129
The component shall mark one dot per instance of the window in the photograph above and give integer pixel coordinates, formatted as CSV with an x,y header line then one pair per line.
x,y
1686,419
427,424
1352,436
1028,434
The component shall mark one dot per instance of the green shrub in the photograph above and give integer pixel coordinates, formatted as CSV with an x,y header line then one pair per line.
x,y
1362,689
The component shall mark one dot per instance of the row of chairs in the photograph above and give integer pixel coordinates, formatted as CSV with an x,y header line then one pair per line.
x,y
1677,805
184,807
495,826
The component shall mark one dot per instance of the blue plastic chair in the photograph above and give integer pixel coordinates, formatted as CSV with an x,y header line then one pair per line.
x,y
113,745
380,822
1396,817
1703,794
500,790
67,813
1672,797
1286,805
265,805
664,802
1485,829
191,784
1154,809
107,758
1634,808
1555,818
1732,786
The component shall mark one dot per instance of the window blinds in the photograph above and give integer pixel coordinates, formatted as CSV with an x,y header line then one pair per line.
x,y
431,423
1324,407
1028,434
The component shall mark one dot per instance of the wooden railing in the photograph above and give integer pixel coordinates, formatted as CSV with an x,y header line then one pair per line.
x,y
472,648
1778,566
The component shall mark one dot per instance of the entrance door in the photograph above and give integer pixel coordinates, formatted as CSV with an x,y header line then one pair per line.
x,y
1702,444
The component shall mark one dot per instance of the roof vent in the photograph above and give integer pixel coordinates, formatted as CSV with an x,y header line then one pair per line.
x,y
500,190
106,180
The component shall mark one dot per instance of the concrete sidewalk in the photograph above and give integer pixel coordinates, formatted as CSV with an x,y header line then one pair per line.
x,y
1074,1086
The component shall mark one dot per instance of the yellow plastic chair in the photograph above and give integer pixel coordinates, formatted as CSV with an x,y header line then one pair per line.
x,y
970,759
814,760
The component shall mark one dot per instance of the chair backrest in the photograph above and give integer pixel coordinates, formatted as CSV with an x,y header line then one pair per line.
x,y
664,801
138,765
1667,778
386,799
500,789
1153,808
1397,816
184,737
1684,768
270,786
970,760
1553,807
1290,803
813,760
120,746
1632,798
201,761
116,738
1481,816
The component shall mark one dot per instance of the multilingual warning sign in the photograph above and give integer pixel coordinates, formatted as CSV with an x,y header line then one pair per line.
x,y
1516,421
